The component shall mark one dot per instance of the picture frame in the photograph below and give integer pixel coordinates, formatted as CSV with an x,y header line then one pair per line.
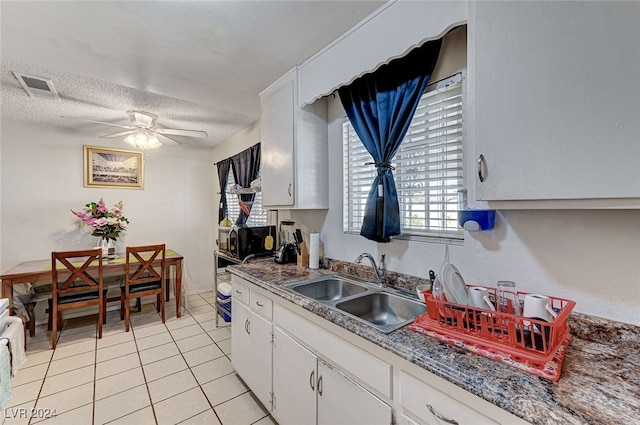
x,y
113,168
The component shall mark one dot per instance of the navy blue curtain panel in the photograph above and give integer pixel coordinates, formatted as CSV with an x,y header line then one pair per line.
x,y
380,106
246,168
223,175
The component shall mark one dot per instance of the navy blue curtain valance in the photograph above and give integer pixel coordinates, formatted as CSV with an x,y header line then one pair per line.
x,y
380,106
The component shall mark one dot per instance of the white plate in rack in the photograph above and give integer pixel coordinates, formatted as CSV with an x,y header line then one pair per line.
x,y
453,284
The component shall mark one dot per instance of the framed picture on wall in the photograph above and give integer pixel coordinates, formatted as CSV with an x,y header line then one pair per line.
x,y
105,167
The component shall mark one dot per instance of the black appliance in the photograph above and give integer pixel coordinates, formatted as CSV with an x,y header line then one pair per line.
x,y
287,253
245,241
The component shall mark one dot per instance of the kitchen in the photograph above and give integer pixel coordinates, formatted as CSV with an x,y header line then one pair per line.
x,y
540,248
586,251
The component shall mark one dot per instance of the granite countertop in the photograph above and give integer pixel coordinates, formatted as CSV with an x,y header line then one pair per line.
x,y
600,381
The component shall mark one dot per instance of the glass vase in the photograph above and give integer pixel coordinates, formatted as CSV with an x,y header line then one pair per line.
x,y
105,244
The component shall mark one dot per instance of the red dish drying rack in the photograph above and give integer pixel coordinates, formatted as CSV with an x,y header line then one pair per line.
x,y
535,346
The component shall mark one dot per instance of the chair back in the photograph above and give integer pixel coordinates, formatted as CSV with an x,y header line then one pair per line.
x,y
145,264
73,277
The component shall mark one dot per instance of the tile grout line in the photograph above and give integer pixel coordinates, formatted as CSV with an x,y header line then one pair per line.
x,y
227,356
95,372
193,374
191,371
144,376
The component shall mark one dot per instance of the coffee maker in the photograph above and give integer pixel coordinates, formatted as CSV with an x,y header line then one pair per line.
x,y
288,251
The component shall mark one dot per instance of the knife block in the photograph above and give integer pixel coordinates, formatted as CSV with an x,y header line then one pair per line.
x,y
303,257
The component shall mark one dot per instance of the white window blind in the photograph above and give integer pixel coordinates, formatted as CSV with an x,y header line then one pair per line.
x,y
258,216
428,167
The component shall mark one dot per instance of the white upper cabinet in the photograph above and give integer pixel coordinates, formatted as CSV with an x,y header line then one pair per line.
x,y
276,130
554,101
294,148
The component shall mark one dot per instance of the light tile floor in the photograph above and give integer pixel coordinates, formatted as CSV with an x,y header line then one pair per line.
x,y
174,373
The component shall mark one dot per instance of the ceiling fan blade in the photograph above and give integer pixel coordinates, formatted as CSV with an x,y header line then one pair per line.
x,y
97,122
166,140
177,132
119,134
142,118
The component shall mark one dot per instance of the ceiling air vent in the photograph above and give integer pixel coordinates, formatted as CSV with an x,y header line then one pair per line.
x,y
39,87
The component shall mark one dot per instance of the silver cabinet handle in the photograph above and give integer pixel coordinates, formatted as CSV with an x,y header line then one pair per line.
x,y
312,380
238,292
482,165
259,305
289,189
320,385
247,325
439,416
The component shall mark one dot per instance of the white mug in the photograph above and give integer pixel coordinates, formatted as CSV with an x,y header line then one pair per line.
x,y
419,290
479,297
538,307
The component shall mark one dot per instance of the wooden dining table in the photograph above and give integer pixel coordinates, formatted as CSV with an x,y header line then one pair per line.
x,y
40,271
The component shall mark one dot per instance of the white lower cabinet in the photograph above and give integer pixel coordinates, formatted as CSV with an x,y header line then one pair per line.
x,y
341,401
308,390
295,377
251,352
306,372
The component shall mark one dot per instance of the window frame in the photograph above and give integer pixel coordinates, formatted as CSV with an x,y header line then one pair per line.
x,y
233,207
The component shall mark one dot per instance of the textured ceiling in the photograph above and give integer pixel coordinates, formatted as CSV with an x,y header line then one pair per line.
x,y
197,65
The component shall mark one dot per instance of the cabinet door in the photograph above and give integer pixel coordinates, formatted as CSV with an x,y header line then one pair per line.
x,y
343,402
277,138
241,355
294,381
260,351
556,99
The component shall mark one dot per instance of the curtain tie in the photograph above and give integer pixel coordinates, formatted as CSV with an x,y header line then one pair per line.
x,y
382,167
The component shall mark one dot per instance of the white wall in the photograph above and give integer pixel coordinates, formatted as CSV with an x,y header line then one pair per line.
x,y
237,143
41,180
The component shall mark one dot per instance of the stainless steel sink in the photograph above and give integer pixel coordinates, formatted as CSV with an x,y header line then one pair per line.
x,y
328,289
384,311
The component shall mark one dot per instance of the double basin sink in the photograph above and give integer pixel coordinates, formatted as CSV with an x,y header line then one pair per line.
x,y
363,301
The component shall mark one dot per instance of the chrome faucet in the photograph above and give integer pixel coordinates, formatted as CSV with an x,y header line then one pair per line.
x,y
381,273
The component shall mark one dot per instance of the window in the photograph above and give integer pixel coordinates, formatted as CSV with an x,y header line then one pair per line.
x,y
428,167
258,216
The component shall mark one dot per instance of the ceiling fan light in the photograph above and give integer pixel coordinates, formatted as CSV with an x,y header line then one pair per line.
x,y
142,140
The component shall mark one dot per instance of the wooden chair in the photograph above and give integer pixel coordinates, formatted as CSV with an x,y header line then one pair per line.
x,y
143,277
73,286
115,281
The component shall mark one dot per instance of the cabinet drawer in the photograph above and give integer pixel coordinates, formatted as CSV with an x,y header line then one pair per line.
x,y
416,396
261,305
239,292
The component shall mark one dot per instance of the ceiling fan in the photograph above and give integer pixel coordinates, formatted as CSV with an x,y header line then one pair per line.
x,y
143,134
